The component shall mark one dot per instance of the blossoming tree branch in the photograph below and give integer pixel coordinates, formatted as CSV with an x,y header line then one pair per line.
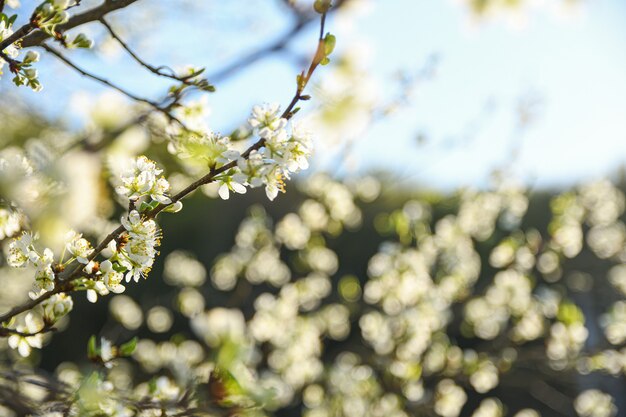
x,y
355,297
279,149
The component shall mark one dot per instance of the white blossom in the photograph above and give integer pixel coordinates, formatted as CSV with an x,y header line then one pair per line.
x,y
56,307
78,246
141,179
10,223
111,278
20,250
138,254
24,344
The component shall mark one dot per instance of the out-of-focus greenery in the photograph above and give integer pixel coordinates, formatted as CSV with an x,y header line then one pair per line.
x,y
348,296
342,298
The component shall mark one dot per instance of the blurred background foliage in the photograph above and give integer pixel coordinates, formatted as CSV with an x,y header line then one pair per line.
x,y
352,293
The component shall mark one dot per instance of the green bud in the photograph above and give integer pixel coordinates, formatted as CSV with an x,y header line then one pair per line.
x,y
81,41
329,43
30,57
329,47
30,73
322,6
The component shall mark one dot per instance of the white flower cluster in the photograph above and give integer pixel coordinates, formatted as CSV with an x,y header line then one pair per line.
x,y
281,153
449,399
135,256
489,407
10,223
56,307
351,389
107,280
205,151
614,323
78,246
141,179
595,403
566,341
30,338
255,256
25,74
183,269
295,340
479,212
11,51
47,16
52,12
510,296
22,253
333,207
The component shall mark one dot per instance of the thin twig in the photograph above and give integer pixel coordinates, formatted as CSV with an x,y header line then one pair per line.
x,y
303,20
155,70
257,55
85,73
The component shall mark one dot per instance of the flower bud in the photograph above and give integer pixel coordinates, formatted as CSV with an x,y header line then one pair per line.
x,y
30,73
31,56
322,6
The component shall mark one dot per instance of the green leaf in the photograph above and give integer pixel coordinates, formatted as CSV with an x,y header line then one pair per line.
x,y
148,206
224,387
152,386
198,71
92,351
144,207
128,348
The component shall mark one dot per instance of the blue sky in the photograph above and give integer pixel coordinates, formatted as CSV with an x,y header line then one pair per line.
x,y
574,67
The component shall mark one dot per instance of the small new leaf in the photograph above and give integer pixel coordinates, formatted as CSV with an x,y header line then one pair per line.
x,y
174,207
148,206
128,348
329,43
92,351
328,48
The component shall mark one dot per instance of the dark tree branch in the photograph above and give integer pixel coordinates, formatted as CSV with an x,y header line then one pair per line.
x,y
13,63
92,15
33,303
